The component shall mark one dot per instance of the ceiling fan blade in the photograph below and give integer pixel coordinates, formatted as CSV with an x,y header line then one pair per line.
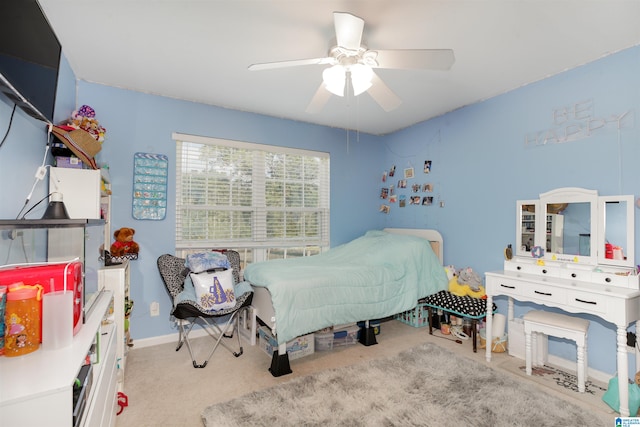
x,y
292,63
319,100
428,59
348,30
381,93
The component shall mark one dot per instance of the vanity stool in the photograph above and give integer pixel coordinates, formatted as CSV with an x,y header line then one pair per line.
x,y
561,326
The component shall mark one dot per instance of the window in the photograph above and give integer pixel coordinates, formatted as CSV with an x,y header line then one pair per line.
x,y
264,201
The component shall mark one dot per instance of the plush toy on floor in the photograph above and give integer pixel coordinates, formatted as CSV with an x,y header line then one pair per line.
x,y
124,243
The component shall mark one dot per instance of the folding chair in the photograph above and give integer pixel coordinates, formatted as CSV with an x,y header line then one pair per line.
x,y
217,324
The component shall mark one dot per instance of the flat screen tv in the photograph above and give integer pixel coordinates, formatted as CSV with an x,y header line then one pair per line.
x,y
29,58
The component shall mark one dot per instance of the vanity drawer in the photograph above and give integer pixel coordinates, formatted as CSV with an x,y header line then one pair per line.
x,y
544,293
586,302
576,275
625,281
533,268
505,286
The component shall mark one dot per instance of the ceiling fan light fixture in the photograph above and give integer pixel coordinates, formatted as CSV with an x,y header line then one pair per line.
x,y
361,76
334,79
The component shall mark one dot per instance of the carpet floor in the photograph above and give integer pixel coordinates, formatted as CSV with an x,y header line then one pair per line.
x,y
164,389
426,385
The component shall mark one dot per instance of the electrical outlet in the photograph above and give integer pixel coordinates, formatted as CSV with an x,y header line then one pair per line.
x,y
155,309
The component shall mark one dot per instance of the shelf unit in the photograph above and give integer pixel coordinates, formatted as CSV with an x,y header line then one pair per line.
x,y
528,230
116,278
105,206
554,226
554,233
37,388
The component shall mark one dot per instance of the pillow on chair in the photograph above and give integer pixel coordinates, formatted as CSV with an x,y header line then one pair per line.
x,y
204,261
214,290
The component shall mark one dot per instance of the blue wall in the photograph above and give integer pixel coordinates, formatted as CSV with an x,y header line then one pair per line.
x,y
24,148
481,166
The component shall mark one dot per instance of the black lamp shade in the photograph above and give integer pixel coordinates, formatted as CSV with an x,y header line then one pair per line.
x,y
56,208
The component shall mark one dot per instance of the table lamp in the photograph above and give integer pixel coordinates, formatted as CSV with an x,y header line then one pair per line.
x,y
56,208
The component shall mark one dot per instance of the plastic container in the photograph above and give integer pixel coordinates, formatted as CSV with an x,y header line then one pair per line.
x,y
416,317
345,336
57,320
22,320
324,341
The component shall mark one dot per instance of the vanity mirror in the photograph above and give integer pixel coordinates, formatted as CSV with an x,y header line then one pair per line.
x,y
576,227
616,231
526,227
569,224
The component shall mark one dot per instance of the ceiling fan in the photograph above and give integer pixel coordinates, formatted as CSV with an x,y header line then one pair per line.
x,y
352,65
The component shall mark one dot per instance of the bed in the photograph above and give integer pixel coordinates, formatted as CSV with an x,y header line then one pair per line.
x,y
382,273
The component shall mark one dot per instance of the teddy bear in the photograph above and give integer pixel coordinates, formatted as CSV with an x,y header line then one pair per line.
x,y
124,243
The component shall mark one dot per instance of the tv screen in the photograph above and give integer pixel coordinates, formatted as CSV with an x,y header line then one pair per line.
x,y
29,58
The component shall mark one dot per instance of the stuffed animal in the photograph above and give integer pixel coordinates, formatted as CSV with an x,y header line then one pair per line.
x,y
124,243
461,290
85,118
450,270
467,276
467,282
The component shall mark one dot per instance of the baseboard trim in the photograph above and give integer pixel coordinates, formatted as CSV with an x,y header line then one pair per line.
x,y
173,338
164,339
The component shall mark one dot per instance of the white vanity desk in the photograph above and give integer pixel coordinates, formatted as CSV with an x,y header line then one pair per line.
x,y
619,306
584,283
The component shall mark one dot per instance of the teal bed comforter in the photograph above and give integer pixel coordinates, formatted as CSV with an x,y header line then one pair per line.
x,y
372,277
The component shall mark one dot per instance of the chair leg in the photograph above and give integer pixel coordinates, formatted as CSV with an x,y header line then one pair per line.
x,y
216,332
474,334
581,365
182,333
528,351
225,331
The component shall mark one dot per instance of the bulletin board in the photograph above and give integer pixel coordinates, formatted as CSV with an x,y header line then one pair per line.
x,y
150,175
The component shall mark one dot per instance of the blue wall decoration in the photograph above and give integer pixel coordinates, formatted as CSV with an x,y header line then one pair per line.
x,y
150,186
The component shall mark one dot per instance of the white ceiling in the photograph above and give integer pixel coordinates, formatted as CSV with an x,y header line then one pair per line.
x,y
199,50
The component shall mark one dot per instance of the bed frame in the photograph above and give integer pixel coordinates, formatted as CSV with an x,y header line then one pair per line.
x,y
263,307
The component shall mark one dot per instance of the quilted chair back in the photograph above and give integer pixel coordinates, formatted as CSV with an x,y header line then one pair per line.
x,y
173,273
173,270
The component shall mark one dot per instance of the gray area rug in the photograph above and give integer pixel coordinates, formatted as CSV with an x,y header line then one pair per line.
x,y
424,386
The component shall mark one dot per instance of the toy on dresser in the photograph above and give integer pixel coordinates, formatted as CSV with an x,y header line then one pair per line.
x,y
124,243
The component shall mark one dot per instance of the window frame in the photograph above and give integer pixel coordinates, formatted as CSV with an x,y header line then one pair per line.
x,y
259,246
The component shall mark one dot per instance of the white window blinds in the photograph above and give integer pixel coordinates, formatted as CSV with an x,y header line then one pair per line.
x,y
237,194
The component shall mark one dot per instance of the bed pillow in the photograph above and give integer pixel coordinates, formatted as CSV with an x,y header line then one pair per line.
x,y
214,290
204,261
